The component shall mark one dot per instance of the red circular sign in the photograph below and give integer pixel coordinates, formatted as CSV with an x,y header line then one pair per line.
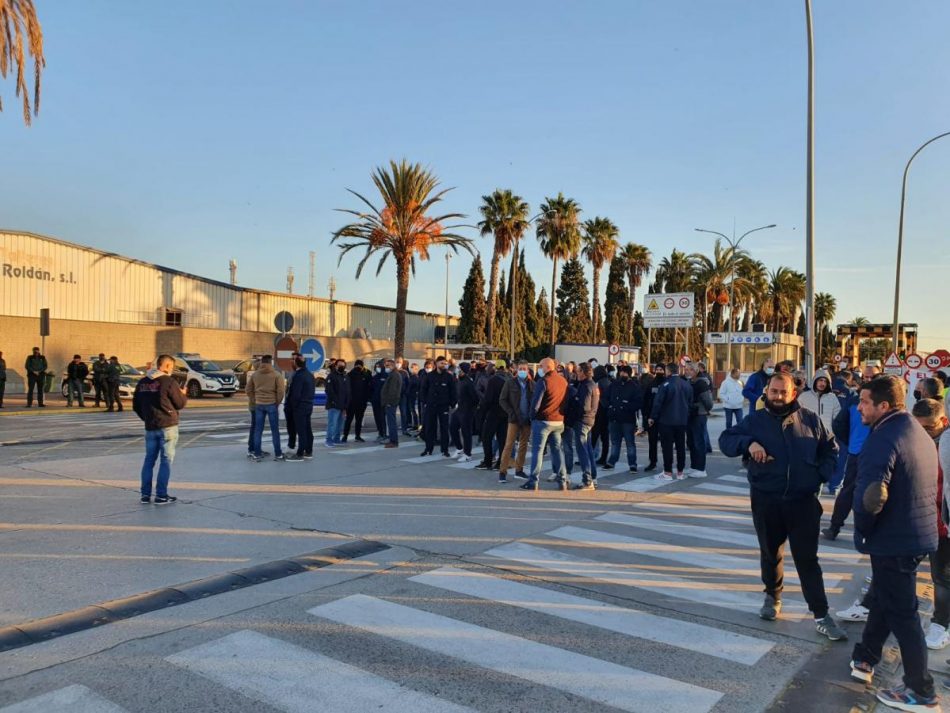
x,y
283,353
684,302
684,360
944,357
933,361
913,361
613,349
669,302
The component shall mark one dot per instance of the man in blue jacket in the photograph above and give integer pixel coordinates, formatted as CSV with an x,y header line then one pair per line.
x,y
790,455
670,412
852,432
895,523
755,384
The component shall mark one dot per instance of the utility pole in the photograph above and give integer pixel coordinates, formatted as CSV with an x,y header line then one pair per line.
x,y
445,337
290,280
810,207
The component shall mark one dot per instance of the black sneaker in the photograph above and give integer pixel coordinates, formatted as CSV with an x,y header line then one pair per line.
x,y
425,453
503,479
445,454
771,608
308,456
633,469
521,475
265,454
606,466
529,485
280,458
359,440
651,466
145,499
167,500
830,533
294,458
496,465
483,466
827,626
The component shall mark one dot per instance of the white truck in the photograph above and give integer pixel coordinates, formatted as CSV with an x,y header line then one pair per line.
x,y
601,352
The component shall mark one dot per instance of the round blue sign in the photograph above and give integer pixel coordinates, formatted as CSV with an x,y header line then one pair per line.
x,y
312,350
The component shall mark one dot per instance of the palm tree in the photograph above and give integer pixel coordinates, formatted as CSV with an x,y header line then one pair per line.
x,y
825,305
505,216
675,273
718,276
639,262
402,228
751,292
18,21
558,231
600,246
786,291
859,322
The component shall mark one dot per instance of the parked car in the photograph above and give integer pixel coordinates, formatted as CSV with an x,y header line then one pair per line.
x,y
204,377
129,377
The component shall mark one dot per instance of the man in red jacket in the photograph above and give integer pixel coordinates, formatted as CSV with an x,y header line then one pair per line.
x,y
157,401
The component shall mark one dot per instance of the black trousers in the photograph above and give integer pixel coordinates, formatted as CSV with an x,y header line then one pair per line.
x,y
112,395
291,427
845,497
653,437
34,382
893,609
600,433
437,416
494,430
100,387
354,415
670,437
379,418
460,426
3,387
303,429
798,521
696,441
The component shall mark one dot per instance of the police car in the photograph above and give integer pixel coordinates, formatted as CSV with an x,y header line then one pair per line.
x,y
204,377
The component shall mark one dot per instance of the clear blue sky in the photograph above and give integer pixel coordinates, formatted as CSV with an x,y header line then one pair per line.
x,y
188,133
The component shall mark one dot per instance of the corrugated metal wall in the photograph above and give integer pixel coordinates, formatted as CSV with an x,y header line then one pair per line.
x,y
77,283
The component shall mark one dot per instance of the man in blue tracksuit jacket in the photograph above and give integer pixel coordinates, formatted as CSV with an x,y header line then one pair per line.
x,y
671,406
755,384
790,455
851,433
896,524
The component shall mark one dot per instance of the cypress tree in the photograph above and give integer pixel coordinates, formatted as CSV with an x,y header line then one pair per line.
x,y
616,305
473,310
573,303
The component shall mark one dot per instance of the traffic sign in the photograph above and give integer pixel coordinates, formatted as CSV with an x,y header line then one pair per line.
x,y
913,361
837,358
669,310
284,353
684,360
893,365
613,349
944,357
933,362
284,321
312,350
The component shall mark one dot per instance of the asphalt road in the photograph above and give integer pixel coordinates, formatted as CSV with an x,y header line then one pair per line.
x,y
640,596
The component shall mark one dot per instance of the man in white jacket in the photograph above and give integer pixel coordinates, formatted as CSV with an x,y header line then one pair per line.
x,y
821,399
730,394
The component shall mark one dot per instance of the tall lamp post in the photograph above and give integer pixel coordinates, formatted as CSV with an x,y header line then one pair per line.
x,y
810,206
900,235
734,244
445,336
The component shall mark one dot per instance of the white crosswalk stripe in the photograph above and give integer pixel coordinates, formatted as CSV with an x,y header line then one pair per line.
x,y
734,479
71,699
631,622
297,680
729,489
643,485
602,681
748,599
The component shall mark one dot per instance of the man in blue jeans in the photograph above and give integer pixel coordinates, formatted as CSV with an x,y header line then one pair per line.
x,y
588,398
626,399
548,403
390,398
265,390
157,401
338,401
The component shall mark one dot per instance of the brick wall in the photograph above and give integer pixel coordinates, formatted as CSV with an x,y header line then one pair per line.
x,y
138,344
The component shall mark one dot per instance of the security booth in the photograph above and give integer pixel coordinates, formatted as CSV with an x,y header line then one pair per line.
x,y
747,350
849,337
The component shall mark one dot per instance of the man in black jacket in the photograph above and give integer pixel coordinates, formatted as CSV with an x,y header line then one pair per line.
x,y
626,400
588,399
157,401
439,393
338,402
600,433
670,414
699,411
652,428
299,403
790,456
494,419
375,397
463,417
76,373
360,388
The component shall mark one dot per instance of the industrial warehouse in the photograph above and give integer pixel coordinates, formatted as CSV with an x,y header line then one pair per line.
x,y
103,302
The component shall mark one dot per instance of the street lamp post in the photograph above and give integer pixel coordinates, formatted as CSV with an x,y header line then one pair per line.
x,y
734,244
900,235
445,337
810,206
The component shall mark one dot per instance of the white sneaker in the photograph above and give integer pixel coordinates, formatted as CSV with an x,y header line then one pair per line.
x,y
680,475
696,473
854,613
937,637
464,458
552,477
665,477
455,453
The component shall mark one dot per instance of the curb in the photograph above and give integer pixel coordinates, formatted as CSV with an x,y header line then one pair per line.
x,y
89,617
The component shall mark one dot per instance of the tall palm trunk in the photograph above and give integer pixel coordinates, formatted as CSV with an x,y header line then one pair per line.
x,y
553,310
595,329
631,310
492,297
402,294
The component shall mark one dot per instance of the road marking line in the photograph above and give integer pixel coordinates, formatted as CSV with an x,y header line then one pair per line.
x,y
734,479
72,699
296,680
705,593
642,485
730,489
631,622
602,681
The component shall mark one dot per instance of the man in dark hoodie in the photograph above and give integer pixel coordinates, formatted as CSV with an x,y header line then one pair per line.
x,y
157,401
375,397
360,387
790,455
696,426
671,414
896,524
338,403
626,400
653,428
299,403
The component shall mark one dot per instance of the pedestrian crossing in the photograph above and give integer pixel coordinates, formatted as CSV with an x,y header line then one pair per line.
x,y
602,610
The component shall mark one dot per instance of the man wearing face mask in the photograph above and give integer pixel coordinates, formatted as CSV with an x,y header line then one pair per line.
x,y
390,398
376,395
790,456
653,428
755,385
338,401
439,394
427,368
361,384
626,399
